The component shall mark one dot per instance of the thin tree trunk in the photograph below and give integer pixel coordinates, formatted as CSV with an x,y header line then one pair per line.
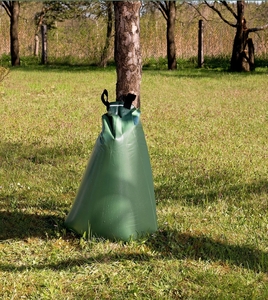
x,y
127,49
36,37
14,32
171,46
36,45
105,52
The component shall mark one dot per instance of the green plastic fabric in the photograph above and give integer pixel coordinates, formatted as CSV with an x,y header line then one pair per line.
x,y
116,197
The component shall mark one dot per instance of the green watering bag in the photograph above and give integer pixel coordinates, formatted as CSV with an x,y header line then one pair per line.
x,y
116,198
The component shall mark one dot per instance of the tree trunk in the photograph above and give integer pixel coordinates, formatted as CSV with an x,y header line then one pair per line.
x,y
14,32
127,49
36,45
171,46
105,52
240,40
36,36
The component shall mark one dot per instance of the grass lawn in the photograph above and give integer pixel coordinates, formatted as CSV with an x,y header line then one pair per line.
x,y
206,132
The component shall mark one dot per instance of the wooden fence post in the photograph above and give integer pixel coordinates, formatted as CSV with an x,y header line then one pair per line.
x,y
44,43
251,55
200,44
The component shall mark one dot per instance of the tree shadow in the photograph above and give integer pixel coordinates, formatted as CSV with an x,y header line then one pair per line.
x,y
169,244
173,244
206,73
38,154
63,68
70,263
21,225
188,73
208,188
35,159
213,65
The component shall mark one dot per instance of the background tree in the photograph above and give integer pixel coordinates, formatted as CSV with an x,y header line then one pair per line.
x,y
168,10
108,7
12,8
127,49
243,48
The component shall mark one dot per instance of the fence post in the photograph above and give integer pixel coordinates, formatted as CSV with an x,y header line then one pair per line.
x,y
200,44
44,43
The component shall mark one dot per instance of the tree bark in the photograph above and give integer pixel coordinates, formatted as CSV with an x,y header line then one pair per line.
x,y
36,36
14,32
171,46
240,40
36,45
127,49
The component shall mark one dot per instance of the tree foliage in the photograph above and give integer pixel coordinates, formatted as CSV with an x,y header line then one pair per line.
x,y
58,11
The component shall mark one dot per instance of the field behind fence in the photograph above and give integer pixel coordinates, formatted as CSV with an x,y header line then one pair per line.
x,y
83,39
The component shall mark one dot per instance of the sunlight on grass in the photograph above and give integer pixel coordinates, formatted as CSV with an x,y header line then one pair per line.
x,y
207,136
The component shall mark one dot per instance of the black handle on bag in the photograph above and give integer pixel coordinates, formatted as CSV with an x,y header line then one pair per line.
x,y
105,101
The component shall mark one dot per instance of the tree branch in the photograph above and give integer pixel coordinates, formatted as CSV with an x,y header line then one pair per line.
x,y
194,6
7,7
229,8
220,15
162,7
258,28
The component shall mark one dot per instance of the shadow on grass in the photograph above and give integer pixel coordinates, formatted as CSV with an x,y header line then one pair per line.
x,y
219,63
208,73
193,72
20,225
34,161
38,154
170,244
64,68
72,263
208,188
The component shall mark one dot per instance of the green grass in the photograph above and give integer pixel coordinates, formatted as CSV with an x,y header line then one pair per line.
x,y
207,137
